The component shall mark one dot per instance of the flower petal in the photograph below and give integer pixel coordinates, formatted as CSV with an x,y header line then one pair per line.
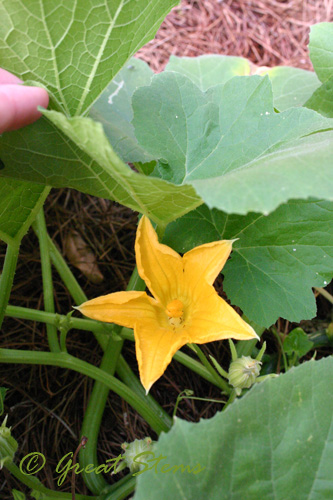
x,y
122,308
203,263
158,265
155,347
213,319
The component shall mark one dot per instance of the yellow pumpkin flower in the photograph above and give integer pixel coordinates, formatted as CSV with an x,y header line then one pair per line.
x,y
185,307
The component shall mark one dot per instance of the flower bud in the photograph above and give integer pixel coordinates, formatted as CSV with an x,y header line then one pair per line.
x,y
8,445
243,372
131,451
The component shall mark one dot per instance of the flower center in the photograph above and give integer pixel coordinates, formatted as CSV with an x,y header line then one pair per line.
x,y
175,312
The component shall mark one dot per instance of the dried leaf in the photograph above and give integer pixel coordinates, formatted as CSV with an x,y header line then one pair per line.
x,y
82,257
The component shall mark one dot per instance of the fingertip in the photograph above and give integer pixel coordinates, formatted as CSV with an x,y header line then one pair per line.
x,y
18,105
7,78
40,95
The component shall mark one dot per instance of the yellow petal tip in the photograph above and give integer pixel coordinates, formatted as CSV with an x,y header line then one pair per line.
x,y
148,389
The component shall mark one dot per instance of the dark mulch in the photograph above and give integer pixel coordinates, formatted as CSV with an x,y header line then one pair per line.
x,y
46,404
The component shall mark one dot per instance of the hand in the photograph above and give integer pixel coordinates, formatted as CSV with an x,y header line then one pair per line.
x,y
18,104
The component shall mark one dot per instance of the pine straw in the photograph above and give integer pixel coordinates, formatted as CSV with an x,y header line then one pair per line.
x,y
268,32
46,404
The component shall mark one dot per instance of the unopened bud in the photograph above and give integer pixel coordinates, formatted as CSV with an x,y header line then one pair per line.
x,y
8,445
243,372
131,451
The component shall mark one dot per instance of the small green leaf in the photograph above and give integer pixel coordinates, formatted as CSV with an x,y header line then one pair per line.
x,y
275,442
18,495
276,260
3,391
291,86
322,99
321,50
297,342
19,205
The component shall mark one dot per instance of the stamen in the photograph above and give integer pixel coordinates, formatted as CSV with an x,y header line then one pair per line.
x,y
175,309
175,312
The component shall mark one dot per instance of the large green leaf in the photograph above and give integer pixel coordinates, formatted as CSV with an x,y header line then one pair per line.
x,y
114,110
275,442
75,152
209,70
275,261
75,47
19,205
291,86
230,145
321,50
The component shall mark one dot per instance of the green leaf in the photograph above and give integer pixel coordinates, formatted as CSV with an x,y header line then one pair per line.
x,y
276,260
209,70
322,99
114,110
75,48
19,205
74,152
291,86
230,145
3,391
321,50
275,442
297,342
18,495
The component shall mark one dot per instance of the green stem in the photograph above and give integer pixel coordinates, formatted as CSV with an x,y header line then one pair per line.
x,y
231,399
222,384
65,360
93,418
55,319
34,483
183,395
66,274
245,347
125,487
98,398
7,277
73,287
278,337
91,325
39,227
97,401
127,376
324,293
